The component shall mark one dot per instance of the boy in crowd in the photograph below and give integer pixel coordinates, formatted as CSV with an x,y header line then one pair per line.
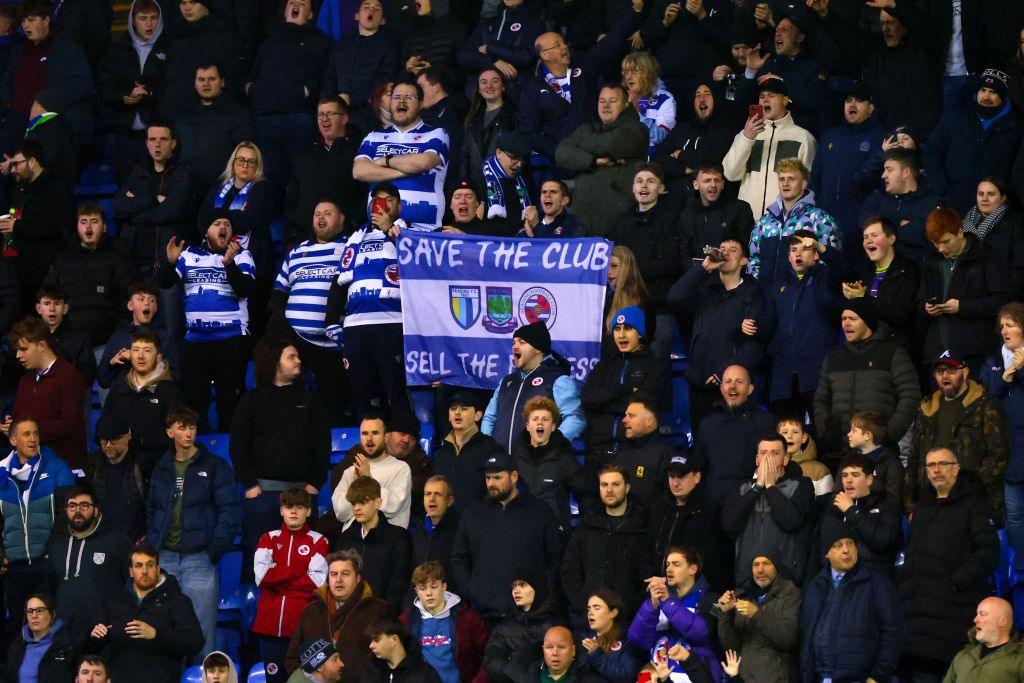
x,y
142,305
803,451
452,635
289,566
867,431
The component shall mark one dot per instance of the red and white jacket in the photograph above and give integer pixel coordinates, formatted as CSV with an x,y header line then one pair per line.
x,y
289,566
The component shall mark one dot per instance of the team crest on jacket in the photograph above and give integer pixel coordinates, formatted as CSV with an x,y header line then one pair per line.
x,y
303,550
499,318
99,558
391,274
464,303
346,258
515,27
537,381
538,305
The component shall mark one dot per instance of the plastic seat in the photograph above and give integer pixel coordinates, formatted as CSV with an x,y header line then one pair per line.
x,y
1003,577
193,674
218,444
257,674
342,439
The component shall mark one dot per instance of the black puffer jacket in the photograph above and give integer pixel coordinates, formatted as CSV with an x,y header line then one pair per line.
x,y
58,662
874,522
610,387
356,64
609,552
323,172
97,282
953,549
208,135
286,74
656,240
872,374
148,224
516,639
178,634
145,412
981,284
706,226
436,41
550,472
211,40
694,524
479,141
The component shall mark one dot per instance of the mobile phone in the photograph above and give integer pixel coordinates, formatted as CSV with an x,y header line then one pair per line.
x,y
934,301
379,205
755,110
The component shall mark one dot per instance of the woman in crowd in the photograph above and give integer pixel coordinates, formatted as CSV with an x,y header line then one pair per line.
x,y
648,95
625,288
491,113
609,654
516,639
248,200
45,651
1000,228
1003,376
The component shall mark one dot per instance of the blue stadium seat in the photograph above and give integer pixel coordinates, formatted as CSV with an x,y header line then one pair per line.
x,y
217,444
257,674
229,570
193,674
1004,575
675,429
427,438
342,439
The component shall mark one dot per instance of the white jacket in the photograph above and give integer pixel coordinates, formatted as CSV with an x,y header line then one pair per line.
x,y
395,479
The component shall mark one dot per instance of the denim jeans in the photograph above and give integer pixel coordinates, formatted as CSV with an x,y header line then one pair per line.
x,y
1014,492
198,578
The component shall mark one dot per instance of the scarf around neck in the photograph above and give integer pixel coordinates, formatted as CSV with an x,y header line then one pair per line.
x,y
238,201
564,91
980,225
494,173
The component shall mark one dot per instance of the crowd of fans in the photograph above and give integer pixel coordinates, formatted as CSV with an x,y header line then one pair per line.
x,y
815,211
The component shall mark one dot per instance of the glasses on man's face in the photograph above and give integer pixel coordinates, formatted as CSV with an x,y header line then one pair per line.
x,y
946,370
553,47
15,163
328,114
74,507
242,161
939,465
110,442
36,611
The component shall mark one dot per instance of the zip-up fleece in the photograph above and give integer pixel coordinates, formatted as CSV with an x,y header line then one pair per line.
x,y
289,566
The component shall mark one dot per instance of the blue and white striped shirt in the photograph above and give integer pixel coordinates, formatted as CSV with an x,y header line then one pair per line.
x,y
306,275
422,195
213,311
369,266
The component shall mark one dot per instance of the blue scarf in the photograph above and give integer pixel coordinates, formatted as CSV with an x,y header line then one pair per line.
x,y
493,175
564,91
238,203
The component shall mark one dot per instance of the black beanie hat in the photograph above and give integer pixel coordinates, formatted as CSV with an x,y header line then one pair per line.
x,y
538,582
536,335
832,531
865,309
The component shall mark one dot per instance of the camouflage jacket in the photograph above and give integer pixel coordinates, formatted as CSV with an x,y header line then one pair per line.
x,y
981,441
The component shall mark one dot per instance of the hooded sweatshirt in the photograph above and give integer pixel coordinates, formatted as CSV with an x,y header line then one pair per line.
x,y
143,48
35,650
232,667
437,638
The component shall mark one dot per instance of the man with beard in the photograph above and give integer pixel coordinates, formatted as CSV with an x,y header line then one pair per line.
x,y
973,141
507,530
88,562
150,626
116,478
694,142
712,217
993,634
299,303
217,277
411,155
760,622
962,416
402,442
372,460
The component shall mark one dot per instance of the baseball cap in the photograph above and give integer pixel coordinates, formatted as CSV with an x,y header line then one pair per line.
x,y
949,357
388,188
464,398
500,462
861,91
686,463
315,652
773,85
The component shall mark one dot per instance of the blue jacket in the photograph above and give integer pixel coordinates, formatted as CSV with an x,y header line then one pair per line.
x,y
862,626
961,151
912,207
842,151
211,513
49,474
1011,397
619,665
803,313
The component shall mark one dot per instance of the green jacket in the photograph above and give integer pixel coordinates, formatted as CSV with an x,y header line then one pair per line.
x,y
981,441
603,193
1006,665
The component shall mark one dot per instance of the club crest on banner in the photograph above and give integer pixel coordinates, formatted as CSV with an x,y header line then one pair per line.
x,y
464,303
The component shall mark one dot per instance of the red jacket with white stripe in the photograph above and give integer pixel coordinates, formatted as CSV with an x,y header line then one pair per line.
x,y
290,566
